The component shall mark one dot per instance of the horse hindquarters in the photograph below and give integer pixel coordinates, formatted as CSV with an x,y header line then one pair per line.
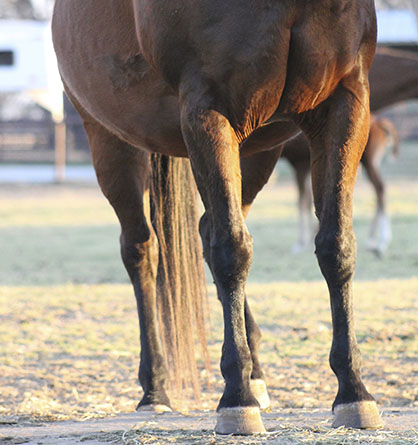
x,y
338,130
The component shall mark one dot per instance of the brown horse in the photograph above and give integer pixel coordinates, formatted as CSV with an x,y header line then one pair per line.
x,y
393,78
226,84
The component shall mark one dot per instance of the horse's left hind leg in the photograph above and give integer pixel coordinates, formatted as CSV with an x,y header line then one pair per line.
x,y
123,175
338,132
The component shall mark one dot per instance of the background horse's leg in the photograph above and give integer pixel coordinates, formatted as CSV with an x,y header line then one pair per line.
x,y
256,171
380,229
306,235
338,131
380,232
123,175
214,154
296,152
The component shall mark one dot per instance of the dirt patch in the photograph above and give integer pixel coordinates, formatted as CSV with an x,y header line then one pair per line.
x,y
284,426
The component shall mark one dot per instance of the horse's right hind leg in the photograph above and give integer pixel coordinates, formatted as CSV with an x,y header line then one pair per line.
x,y
123,174
336,151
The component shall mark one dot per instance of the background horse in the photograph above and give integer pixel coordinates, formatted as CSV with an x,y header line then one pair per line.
x,y
393,78
224,84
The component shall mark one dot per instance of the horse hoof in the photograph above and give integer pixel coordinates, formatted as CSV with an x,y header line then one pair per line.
x,y
239,420
154,408
259,389
363,415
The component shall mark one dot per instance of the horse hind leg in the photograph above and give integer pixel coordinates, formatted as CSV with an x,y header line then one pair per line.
x,y
123,175
336,151
257,382
214,155
255,172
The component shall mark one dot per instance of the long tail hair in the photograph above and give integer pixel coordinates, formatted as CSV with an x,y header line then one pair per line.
x,y
181,285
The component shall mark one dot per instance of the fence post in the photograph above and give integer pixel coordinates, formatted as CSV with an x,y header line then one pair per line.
x,y
60,150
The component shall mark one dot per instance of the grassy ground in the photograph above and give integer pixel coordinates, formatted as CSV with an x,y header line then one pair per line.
x,y
69,335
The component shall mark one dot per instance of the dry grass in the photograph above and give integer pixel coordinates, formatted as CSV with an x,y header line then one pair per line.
x,y
283,435
71,351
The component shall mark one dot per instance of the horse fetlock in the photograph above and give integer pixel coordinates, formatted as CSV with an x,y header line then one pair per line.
x,y
152,374
345,356
351,389
154,395
238,394
236,362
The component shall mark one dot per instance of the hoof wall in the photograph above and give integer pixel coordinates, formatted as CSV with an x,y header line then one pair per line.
x,y
259,390
364,415
239,420
154,408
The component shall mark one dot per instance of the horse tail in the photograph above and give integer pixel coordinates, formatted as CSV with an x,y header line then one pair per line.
x,y
393,132
181,285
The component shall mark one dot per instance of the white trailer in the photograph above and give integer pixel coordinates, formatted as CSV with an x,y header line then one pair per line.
x,y
27,63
